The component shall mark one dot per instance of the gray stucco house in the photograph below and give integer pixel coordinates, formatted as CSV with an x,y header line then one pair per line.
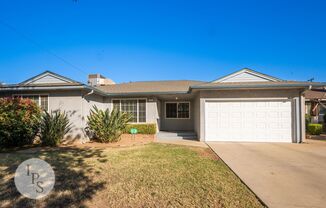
x,y
242,106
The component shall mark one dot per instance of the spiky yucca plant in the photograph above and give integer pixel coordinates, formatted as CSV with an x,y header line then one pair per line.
x,y
107,126
54,126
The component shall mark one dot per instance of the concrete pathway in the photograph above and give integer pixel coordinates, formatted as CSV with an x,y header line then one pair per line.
x,y
282,175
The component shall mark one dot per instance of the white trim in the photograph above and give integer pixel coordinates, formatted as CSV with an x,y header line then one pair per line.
x,y
137,122
244,99
284,99
48,74
263,76
177,102
39,98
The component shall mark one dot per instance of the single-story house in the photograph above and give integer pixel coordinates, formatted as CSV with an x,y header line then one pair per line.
x,y
316,104
243,106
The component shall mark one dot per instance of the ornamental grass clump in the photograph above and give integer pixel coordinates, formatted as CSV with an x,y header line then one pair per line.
x,y
107,126
54,126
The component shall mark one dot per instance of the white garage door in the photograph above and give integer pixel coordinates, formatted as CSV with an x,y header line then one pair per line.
x,y
253,121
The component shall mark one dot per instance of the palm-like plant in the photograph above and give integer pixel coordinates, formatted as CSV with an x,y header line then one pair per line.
x,y
107,126
54,126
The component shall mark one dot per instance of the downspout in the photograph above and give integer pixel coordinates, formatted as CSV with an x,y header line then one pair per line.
x,y
83,114
91,92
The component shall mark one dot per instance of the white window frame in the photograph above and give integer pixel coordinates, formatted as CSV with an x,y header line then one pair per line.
x,y
177,102
39,98
119,99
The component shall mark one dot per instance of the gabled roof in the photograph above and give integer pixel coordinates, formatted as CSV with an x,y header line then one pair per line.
x,y
246,75
52,81
49,77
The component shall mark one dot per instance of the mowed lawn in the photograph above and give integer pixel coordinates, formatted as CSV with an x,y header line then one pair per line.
x,y
152,175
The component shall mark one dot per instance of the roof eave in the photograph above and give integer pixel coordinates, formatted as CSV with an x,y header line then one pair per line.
x,y
43,88
147,93
298,86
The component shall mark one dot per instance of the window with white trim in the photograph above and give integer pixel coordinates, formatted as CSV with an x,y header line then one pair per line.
x,y
41,100
179,110
135,107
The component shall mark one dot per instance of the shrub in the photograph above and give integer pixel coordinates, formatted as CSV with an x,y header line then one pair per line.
x,y
142,128
107,126
54,126
19,120
315,129
307,120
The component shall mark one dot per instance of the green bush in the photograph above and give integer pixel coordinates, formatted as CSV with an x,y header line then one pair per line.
x,y
142,128
107,126
315,129
54,126
19,120
307,120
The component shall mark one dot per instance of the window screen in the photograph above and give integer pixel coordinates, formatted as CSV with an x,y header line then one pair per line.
x,y
183,110
177,110
171,110
116,104
130,106
136,107
142,111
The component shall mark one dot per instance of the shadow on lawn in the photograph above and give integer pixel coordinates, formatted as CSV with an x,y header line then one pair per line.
x,y
75,178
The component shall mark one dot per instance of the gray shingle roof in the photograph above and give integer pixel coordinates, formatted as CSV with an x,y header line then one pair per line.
x,y
175,86
315,94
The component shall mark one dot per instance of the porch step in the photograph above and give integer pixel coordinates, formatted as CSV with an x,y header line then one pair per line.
x,y
179,135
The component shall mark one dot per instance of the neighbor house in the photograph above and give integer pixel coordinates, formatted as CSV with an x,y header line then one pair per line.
x,y
316,104
242,106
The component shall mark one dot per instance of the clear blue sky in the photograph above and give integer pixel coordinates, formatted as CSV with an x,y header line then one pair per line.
x,y
160,40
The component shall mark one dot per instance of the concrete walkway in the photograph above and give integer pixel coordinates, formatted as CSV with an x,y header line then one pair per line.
x,y
282,175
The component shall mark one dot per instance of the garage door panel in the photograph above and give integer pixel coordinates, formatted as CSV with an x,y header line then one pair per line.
x,y
257,121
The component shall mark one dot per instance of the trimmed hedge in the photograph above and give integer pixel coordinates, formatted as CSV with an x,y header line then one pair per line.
x,y
307,120
142,128
315,129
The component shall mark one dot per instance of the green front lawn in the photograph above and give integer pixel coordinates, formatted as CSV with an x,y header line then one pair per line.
x,y
153,175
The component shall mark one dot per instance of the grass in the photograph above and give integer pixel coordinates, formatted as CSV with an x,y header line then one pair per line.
x,y
153,175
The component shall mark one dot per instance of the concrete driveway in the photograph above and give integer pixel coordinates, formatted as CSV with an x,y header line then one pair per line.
x,y
281,175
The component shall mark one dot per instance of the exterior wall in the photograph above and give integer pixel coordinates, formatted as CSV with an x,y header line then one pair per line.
x,y
168,124
72,103
294,95
69,101
197,114
302,118
152,107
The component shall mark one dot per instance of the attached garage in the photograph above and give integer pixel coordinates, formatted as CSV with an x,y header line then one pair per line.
x,y
248,120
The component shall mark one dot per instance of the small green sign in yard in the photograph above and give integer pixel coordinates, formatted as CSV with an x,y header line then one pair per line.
x,y
133,131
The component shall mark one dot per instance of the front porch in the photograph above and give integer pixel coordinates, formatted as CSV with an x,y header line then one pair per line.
x,y
177,114
176,135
